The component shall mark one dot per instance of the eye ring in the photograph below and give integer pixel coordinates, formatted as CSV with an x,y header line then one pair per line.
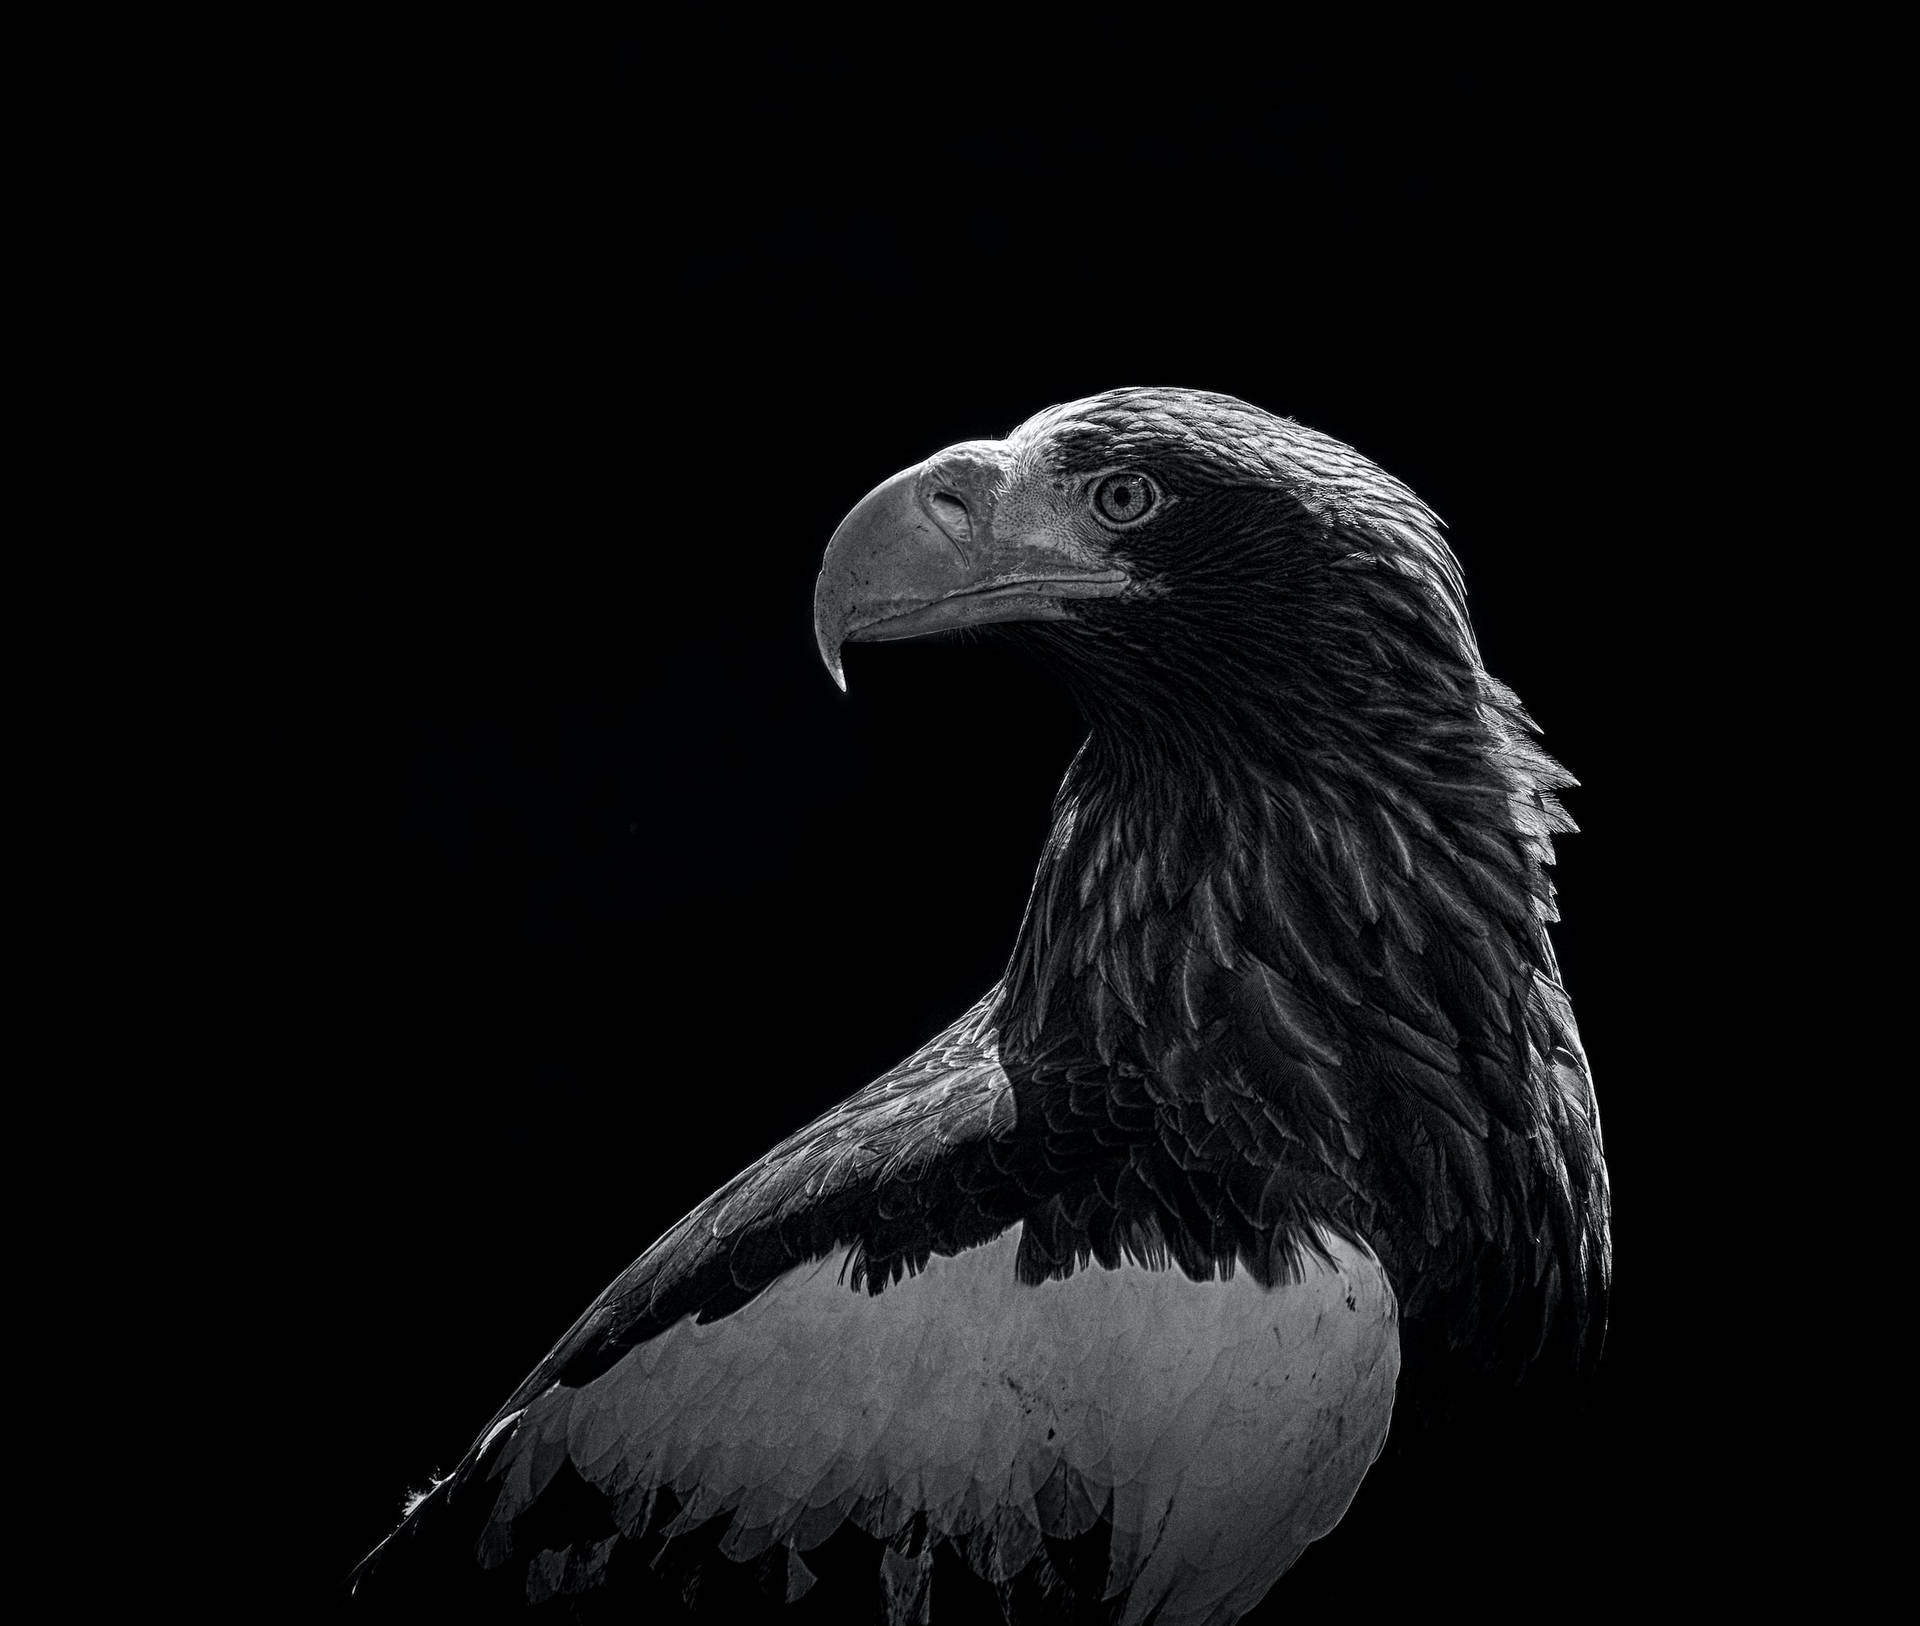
x,y
1124,498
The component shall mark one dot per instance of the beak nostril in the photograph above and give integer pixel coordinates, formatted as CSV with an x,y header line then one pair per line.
x,y
950,514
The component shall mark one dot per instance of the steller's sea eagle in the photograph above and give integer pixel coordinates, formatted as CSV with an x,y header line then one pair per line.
x,y
1095,1307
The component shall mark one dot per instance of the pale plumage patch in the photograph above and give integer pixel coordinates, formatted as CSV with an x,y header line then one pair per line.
x,y
1219,1426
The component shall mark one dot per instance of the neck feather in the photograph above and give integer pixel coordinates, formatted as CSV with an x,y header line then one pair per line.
x,y
1325,919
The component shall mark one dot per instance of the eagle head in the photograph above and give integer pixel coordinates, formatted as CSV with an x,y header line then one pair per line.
x,y
1172,552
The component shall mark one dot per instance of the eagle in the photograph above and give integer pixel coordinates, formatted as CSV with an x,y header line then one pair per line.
x,y
1096,1307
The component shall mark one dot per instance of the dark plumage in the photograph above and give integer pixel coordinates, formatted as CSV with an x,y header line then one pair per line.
x,y
1283,1003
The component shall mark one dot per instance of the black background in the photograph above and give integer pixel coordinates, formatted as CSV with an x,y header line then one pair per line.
x,y
613,888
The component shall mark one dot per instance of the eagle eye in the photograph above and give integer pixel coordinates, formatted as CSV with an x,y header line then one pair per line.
x,y
1125,498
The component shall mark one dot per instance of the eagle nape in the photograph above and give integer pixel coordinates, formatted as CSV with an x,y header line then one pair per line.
x,y
1098,1305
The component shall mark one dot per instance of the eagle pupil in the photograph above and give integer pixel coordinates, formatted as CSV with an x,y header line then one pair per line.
x,y
1123,497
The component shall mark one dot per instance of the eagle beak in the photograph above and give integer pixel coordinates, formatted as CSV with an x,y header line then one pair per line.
x,y
921,554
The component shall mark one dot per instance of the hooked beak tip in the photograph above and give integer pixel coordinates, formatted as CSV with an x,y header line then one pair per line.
x,y
829,637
